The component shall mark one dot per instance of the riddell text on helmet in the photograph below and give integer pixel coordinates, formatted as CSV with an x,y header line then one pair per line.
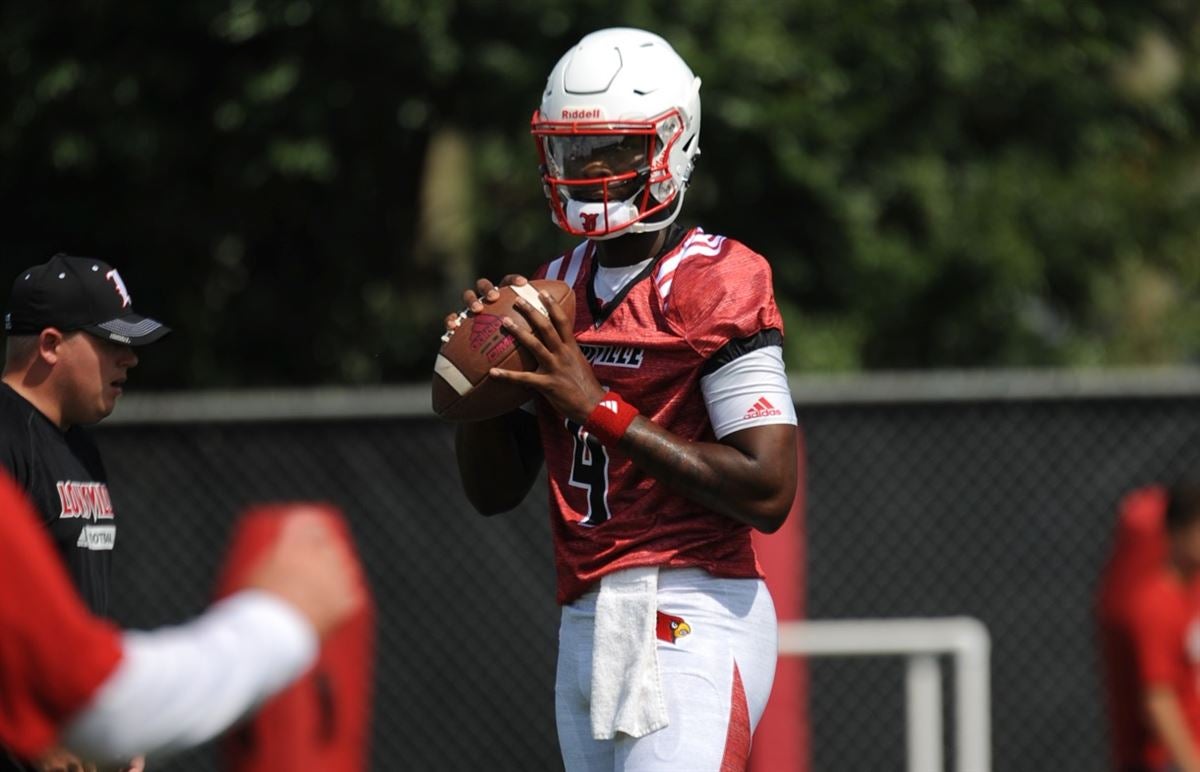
x,y
582,114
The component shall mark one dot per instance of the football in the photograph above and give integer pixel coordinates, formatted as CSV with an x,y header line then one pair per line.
x,y
462,390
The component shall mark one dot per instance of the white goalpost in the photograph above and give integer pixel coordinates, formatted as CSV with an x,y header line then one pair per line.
x,y
920,642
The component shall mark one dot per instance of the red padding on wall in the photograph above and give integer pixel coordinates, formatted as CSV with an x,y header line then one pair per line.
x,y
781,742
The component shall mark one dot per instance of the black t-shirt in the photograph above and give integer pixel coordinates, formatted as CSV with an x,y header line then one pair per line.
x,y
64,476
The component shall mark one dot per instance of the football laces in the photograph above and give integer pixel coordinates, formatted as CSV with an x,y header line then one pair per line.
x,y
450,333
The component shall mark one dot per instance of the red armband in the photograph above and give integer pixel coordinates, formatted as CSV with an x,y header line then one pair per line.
x,y
610,419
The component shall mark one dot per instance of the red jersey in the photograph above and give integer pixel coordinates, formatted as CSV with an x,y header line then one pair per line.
x,y
1166,639
650,345
1139,549
53,653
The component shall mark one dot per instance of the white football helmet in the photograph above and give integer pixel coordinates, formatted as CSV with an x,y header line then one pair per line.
x,y
618,132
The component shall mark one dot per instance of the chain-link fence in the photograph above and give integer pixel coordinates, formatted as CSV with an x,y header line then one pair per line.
x,y
466,615
998,506
1002,511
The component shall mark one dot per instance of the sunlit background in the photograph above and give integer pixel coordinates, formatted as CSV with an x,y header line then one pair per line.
x,y
1009,191
303,188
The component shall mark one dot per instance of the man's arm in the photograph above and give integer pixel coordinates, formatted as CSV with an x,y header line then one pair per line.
x,y
72,679
498,460
1166,718
749,475
177,687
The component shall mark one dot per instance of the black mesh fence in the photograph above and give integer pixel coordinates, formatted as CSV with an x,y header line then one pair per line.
x,y
1000,511
997,509
466,616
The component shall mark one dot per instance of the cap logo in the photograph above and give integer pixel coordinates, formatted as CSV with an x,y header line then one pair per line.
x,y
119,284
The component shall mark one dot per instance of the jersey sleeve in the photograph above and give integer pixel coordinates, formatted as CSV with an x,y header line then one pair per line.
x,y
719,291
1157,639
53,654
180,686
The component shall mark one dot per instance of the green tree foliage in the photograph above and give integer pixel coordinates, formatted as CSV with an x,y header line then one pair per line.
x,y
304,188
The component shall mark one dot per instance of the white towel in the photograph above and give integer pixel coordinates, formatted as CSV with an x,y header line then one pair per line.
x,y
627,693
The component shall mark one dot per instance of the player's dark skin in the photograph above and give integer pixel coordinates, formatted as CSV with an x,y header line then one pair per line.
x,y
749,475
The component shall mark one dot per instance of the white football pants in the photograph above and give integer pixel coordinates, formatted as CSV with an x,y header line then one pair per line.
x,y
716,669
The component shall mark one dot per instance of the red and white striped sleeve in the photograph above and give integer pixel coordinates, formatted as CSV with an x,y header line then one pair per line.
x,y
717,290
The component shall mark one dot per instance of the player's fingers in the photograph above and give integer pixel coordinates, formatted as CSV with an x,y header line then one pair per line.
x,y
527,338
513,278
516,376
546,332
558,317
484,292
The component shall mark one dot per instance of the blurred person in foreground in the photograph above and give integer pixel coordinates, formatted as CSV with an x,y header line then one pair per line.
x,y
71,332
663,417
73,681
1164,634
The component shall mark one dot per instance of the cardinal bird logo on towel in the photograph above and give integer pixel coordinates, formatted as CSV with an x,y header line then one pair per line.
x,y
671,629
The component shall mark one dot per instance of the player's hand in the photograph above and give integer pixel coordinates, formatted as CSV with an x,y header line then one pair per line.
x,y
311,569
476,300
59,760
564,376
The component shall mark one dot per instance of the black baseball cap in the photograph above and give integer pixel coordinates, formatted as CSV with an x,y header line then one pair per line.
x,y
77,293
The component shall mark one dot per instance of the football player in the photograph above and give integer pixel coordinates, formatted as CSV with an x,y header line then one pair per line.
x,y
663,418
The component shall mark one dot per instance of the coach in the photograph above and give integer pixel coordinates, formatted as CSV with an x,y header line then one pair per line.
x,y
71,330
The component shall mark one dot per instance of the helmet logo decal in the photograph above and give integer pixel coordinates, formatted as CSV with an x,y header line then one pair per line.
x,y
671,628
581,114
589,220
